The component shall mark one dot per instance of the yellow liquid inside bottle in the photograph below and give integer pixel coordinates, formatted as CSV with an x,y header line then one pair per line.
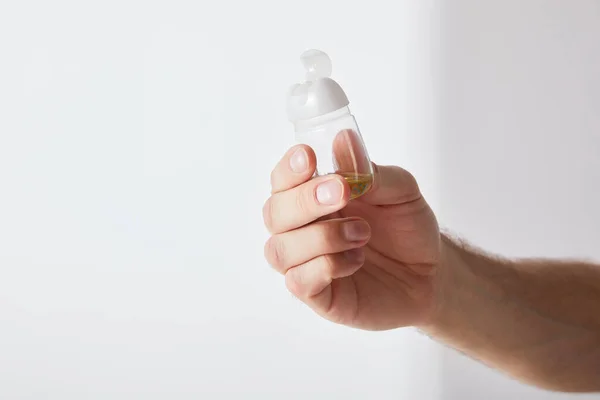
x,y
359,183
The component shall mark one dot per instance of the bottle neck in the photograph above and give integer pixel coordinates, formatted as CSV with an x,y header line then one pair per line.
x,y
310,124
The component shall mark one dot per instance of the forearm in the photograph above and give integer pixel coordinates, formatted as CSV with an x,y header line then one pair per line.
x,y
538,321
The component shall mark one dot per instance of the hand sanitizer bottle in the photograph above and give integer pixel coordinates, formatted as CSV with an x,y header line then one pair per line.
x,y
319,110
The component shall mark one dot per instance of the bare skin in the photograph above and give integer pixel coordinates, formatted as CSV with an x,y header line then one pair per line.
x,y
380,262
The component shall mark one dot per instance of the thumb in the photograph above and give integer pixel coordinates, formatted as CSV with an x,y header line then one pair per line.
x,y
391,185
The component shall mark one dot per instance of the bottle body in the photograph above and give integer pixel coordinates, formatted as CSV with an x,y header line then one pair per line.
x,y
339,148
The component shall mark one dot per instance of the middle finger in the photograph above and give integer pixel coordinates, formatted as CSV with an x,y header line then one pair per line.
x,y
296,247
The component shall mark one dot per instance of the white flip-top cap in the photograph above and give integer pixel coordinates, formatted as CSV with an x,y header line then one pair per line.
x,y
319,94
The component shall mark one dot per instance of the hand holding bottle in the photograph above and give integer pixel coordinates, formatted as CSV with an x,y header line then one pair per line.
x,y
367,263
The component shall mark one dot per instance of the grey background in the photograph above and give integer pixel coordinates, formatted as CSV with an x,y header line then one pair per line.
x,y
520,139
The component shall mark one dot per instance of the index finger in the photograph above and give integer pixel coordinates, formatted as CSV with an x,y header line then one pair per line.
x,y
295,167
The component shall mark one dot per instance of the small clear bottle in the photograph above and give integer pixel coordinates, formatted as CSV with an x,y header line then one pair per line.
x,y
319,110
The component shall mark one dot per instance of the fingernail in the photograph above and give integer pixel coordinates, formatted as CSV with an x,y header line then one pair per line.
x,y
355,231
299,161
355,256
329,192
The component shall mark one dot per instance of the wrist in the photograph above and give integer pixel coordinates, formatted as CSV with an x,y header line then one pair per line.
x,y
522,317
450,267
459,291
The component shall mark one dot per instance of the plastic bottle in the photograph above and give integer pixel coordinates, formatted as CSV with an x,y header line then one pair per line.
x,y
319,110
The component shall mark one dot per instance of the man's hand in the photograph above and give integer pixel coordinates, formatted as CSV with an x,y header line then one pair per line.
x,y
367,263
379,262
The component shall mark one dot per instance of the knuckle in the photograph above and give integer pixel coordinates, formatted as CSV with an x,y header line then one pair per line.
x,y
267,212
275,252
300,202
409,181
273,178
298,283
292,283
412,181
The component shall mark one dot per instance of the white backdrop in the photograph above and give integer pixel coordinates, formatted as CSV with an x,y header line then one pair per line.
x,y
136,141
